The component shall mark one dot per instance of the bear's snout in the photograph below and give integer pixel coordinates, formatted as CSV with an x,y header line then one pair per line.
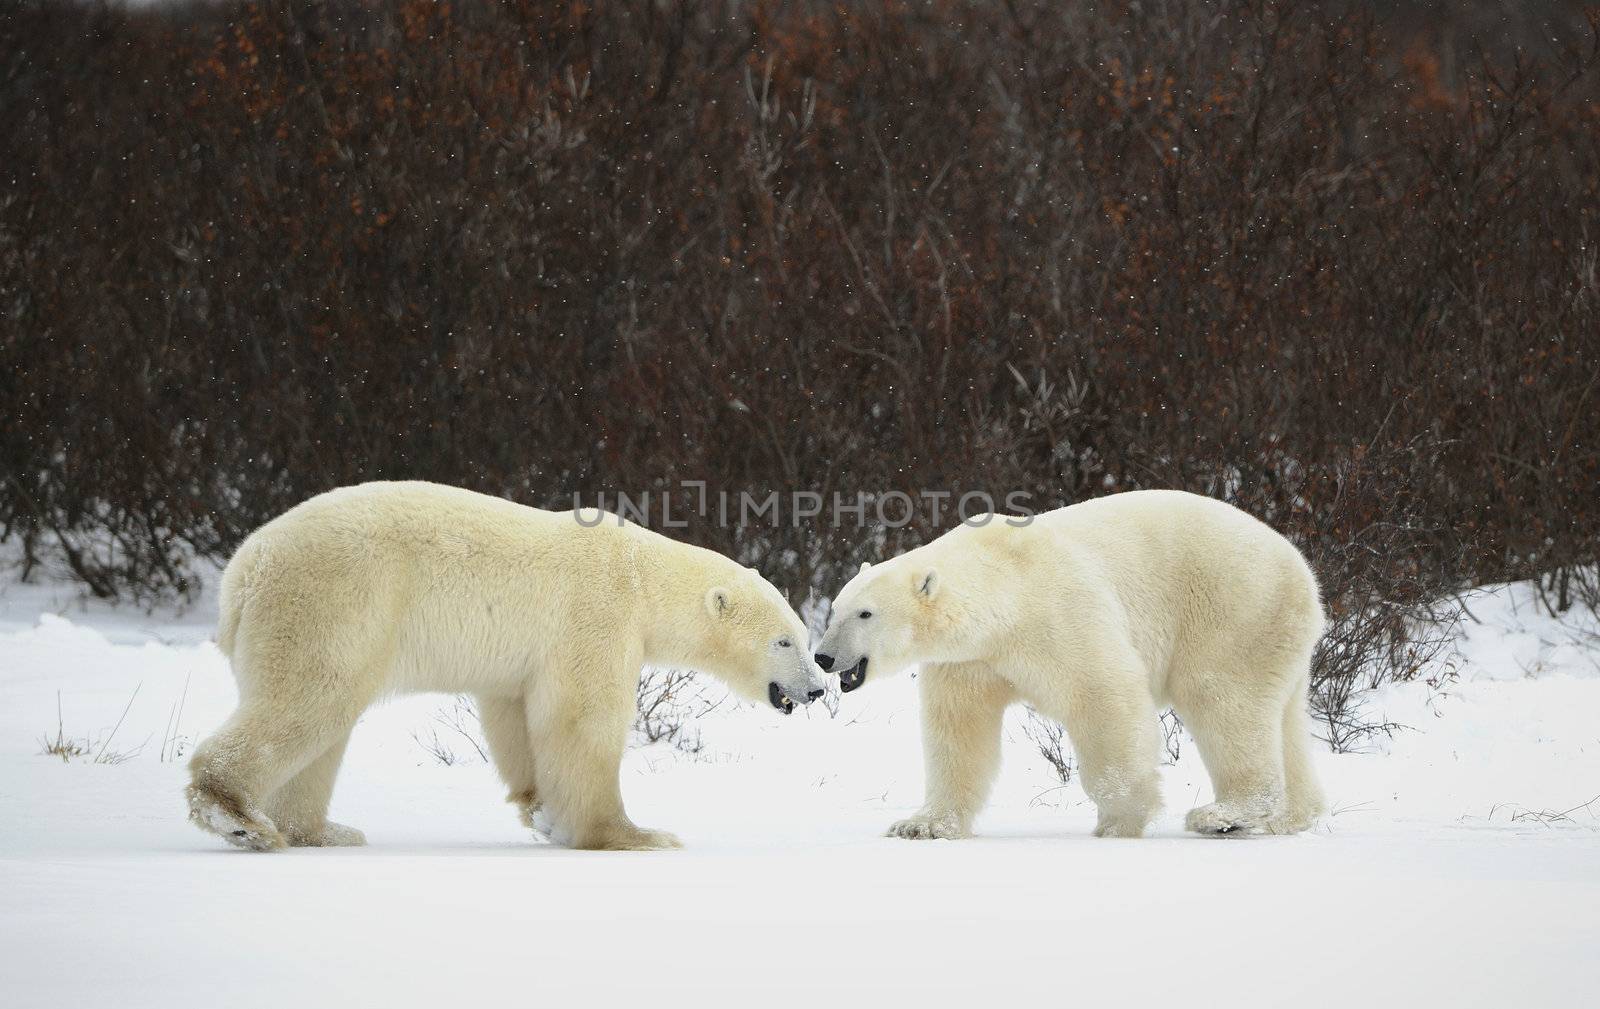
x,y
780,699
825,661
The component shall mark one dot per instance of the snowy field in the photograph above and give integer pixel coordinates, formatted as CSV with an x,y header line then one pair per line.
x,y
1461,865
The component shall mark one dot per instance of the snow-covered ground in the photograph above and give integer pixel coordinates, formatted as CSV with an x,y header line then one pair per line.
x,y
1461,866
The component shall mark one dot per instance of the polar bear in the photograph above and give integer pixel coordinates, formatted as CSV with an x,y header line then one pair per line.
x,y
1098,615
386,588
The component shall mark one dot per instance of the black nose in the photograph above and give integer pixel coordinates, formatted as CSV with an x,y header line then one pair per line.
x,y
815,694
825,661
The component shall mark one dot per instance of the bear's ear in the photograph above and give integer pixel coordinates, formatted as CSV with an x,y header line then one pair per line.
x,y
864,566
718,602
927,583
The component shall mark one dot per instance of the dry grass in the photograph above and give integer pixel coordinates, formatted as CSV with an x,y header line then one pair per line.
x,y
172,743
1581,815
70,748
62,746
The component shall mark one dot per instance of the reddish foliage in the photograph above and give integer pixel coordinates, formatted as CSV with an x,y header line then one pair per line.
x,y
1335,271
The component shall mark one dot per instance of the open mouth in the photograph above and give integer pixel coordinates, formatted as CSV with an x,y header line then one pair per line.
x,y
853,677
779,699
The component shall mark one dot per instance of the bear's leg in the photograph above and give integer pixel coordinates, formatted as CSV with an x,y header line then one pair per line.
x,y
505,729
962,710
580,732
1241,742
300,807
1304,803
1116,736
259,749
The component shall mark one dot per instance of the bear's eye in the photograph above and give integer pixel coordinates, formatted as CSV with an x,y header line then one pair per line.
x,y
785,643
864,614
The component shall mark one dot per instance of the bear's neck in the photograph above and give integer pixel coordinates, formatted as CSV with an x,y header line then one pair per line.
x,y
674,579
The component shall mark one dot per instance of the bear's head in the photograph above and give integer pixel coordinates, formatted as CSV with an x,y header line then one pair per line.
x,y
760,643
885,618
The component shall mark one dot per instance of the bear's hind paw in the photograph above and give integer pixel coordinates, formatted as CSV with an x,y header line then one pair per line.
x,y
332,835
1121,827
927,828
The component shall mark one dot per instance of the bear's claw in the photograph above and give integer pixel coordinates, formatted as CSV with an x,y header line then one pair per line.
x,y
927,828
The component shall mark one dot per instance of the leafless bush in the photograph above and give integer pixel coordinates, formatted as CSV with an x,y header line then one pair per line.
x,y
437,748
1051,741
670,701
459,722
1585,586
1171,735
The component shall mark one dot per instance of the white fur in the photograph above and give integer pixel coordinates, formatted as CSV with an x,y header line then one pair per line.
x,y
1099,615
400,587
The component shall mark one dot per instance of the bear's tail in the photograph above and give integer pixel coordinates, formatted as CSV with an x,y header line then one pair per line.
x,y
227,627
231,596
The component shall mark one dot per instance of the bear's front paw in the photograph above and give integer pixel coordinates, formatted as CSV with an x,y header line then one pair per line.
x,y
539,821
234,822
928,828
1222,819
632,838
1120,826
532,812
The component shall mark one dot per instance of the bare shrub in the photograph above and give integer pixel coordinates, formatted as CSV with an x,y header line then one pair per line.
x,y
1171,735
1584,584
457,723
1051,741
435,747
669,702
